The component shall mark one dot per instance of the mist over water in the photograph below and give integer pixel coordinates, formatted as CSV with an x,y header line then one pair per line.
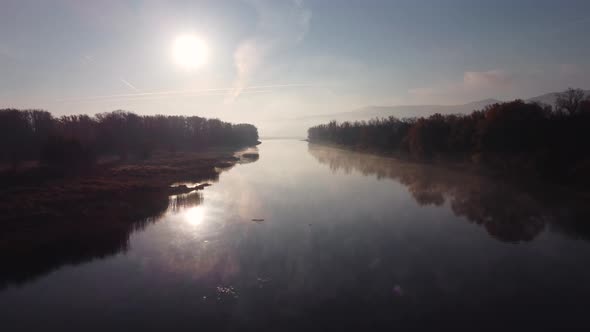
x,y
342,239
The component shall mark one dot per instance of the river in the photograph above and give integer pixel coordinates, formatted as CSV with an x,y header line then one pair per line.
x,y
311,237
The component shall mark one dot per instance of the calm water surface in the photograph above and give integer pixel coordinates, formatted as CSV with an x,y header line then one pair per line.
x,y
348,241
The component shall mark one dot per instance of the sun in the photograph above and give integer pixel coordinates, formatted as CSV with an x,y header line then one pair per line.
x,y
190,51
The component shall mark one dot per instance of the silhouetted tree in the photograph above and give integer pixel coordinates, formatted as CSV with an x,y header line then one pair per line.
x,y
513,136
570,100
78,139
66,153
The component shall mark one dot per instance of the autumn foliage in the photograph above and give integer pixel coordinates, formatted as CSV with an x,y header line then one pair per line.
x,y
511,136
77,140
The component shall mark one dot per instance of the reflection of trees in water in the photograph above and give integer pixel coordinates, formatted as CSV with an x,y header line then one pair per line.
x,y
179,202
91,228
81,233
506,213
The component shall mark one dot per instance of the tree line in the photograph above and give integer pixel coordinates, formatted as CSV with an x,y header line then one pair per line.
x,y
510,136
80,139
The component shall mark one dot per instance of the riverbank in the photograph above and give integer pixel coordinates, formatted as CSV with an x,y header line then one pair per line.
x,y
50,218
44,192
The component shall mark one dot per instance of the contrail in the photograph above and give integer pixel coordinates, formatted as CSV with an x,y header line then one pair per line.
x,y
129,84
179,92
135,97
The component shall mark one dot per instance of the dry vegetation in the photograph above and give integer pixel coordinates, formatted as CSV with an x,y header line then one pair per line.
x,y
44,192
51,218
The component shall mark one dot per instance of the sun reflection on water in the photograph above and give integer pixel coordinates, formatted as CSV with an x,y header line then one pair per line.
x,y
194,215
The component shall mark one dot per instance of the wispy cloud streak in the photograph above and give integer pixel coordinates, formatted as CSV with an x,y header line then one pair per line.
x,y
124,81
280,25
183,93
160,97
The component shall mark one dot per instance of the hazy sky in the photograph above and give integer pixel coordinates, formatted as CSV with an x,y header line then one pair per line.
x,y
271,61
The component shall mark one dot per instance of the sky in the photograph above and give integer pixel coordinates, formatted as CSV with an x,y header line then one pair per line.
x,y
272,62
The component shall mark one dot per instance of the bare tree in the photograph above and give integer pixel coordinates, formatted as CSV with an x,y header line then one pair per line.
x,y
570,100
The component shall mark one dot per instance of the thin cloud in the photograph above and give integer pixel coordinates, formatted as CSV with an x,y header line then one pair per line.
x,y
124,81
491,78
475,84
86,60
160,97
176,93
280,25
524,82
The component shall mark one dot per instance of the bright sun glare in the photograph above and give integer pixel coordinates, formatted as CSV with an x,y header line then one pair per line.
x,y
190,51
194,215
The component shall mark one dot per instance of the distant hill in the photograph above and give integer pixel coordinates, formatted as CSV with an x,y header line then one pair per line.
x,y
549,98
403,111
407,111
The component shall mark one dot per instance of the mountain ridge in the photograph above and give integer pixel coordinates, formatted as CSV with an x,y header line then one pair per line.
x,y
407,111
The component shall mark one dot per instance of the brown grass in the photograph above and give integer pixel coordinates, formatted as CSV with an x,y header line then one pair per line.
x,y
50,218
